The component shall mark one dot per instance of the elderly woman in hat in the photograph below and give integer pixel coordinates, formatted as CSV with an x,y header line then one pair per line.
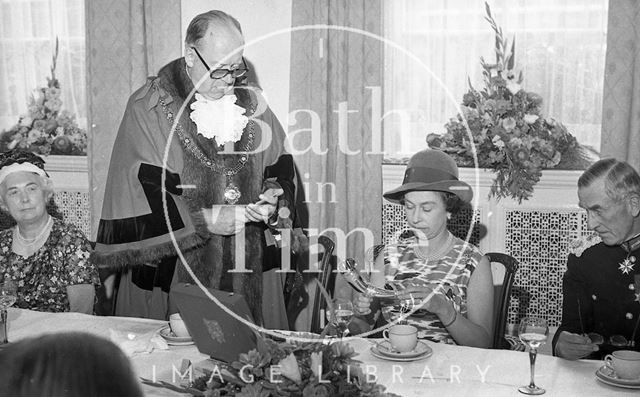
x,y
450,275
46,258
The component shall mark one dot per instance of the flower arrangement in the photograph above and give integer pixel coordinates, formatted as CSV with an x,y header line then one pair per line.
x,y
46,129
502,124
310,369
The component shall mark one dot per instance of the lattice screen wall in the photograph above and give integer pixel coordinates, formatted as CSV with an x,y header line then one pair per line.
x,y
71,206
394,222
537,238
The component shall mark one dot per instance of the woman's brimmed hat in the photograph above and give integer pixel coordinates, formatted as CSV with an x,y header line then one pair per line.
x,y
431,170
17,160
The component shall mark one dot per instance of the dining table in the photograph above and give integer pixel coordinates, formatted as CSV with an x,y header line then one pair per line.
x,y
447,370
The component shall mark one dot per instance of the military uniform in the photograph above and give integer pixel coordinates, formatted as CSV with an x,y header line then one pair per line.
x,y
601,294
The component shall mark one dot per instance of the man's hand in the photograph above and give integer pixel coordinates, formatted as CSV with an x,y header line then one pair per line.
x,y
574,346
263,209
225,220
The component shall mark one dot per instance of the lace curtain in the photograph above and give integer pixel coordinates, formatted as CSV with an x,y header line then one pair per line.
x,y
560,48
27,40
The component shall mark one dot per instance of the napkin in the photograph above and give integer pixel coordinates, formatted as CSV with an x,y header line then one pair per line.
x,y
136,343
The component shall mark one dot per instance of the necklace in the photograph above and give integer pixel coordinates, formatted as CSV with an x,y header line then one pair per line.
x,y
231,192
437,254
32,241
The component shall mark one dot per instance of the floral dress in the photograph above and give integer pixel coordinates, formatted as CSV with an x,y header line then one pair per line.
x,y
453,271
42,278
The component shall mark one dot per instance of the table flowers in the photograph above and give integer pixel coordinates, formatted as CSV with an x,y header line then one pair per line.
x,y
46,128
290,368
501,128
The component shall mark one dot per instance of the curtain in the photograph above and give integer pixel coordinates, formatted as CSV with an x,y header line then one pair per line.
x,y
621,104
336,81
27,42
127,40
560,47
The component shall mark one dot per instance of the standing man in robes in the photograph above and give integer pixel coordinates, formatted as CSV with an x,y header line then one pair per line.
x,y
199,159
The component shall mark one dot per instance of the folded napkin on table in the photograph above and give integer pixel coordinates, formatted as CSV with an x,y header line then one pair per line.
x,y
136,343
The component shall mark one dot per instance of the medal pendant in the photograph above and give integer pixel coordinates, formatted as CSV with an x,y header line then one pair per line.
x,y
231,193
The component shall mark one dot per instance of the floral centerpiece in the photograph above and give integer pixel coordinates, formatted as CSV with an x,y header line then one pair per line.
x,y
290,368
502,128
46,128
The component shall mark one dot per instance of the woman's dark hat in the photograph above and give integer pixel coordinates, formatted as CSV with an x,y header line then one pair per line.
x,y
431,170
20,160
20,156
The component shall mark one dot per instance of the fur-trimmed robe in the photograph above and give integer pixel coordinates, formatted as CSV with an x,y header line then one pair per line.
x,y
133,228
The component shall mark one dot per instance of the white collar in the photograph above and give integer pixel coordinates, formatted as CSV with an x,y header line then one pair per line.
x,y
219,119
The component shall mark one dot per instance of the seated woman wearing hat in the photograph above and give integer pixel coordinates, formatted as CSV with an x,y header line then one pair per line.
x,y
46,258
451,274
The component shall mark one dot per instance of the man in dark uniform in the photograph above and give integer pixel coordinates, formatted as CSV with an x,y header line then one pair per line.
x,y
601,288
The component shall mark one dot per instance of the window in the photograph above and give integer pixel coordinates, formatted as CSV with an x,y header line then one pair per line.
x,y
560,49
28,31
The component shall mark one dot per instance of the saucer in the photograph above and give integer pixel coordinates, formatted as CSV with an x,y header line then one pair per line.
x,y
175,340
384,351
606,375
384,347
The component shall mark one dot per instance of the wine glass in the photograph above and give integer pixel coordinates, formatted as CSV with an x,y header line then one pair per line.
x,y
341,316
8,296
533,332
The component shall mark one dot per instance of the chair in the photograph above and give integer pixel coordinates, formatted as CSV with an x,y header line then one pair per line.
x,y
326,278
501,263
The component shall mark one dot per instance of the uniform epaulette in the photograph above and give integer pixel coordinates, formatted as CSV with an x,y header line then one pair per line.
x,y
579,245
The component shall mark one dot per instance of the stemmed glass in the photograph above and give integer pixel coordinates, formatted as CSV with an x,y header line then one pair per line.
x,y
341,316
533,332
8,296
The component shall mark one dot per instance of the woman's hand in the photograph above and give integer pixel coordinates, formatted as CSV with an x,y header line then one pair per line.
x,y
362,304
437,303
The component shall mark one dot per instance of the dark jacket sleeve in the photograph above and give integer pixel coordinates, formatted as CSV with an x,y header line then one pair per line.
x,y
576,304
281,174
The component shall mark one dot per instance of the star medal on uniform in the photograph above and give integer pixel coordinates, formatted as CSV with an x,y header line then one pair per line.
x,y
626,266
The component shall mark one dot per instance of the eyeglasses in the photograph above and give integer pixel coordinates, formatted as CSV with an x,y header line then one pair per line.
x,y
222,73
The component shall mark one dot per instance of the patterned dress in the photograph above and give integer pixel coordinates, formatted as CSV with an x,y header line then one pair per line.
x,y
453,271
42,278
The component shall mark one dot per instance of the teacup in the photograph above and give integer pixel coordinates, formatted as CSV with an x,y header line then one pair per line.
x,y
625,363
403,338
177,325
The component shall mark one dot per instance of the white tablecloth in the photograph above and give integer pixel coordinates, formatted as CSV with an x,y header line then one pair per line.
x,y
450,371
